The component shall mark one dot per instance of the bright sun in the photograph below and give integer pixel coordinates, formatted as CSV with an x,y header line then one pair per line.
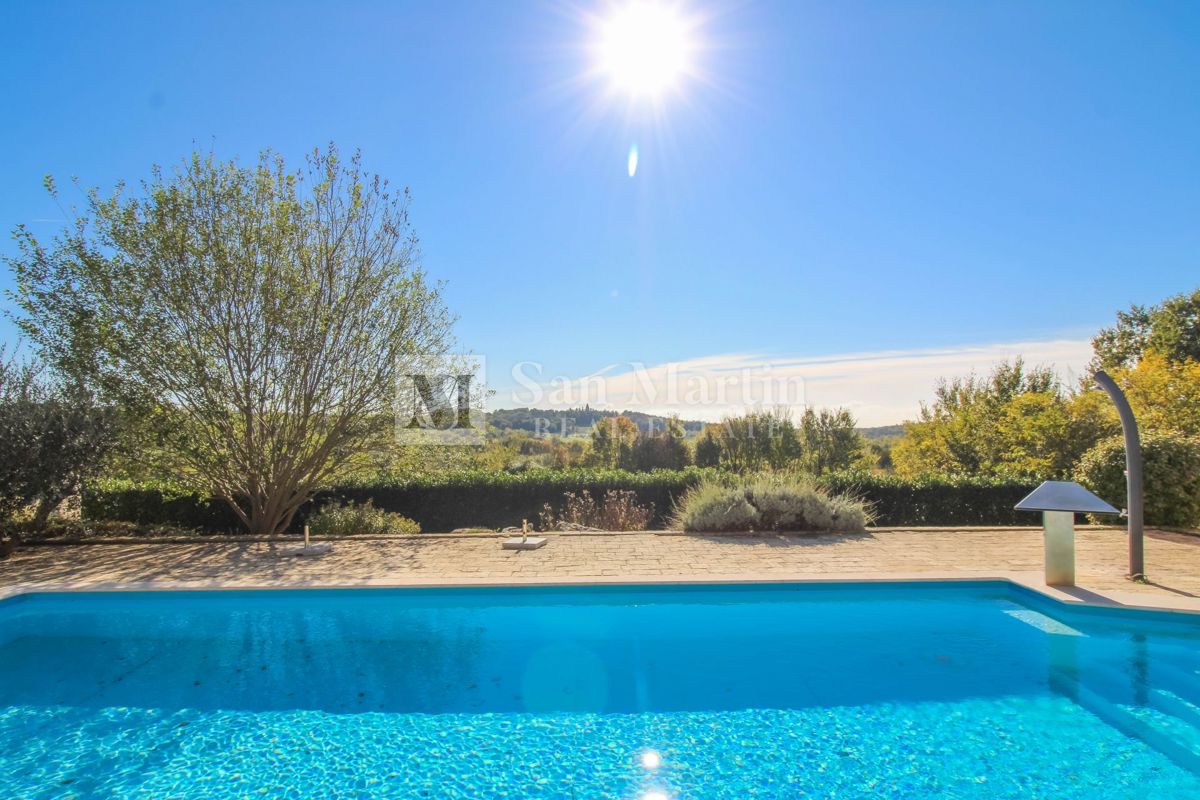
x,y
645,47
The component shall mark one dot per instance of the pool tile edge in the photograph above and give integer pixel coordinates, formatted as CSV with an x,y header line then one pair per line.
x,y
1066,596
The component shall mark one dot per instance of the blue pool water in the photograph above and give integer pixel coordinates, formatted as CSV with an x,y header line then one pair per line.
x,y
916,691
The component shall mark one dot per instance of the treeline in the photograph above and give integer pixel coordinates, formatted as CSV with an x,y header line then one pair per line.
x,y
571,421
1024,422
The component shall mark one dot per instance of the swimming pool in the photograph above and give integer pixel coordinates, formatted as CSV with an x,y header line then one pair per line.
x,y
975,690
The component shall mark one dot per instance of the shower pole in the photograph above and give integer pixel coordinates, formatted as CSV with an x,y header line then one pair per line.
x,y
1133,474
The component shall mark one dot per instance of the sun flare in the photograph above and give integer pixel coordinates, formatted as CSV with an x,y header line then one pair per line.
x,y
645,47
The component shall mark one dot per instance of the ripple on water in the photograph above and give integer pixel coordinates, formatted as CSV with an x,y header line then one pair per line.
x,y
1015,747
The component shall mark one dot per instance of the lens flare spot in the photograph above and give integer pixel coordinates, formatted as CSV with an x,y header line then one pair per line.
x,y
651,759
632,163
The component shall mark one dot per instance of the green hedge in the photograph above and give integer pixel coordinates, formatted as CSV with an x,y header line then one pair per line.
x,y
937,500
496,500
154,505
461,500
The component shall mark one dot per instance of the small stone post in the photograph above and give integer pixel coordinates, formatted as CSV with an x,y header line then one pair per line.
x,y
1059,529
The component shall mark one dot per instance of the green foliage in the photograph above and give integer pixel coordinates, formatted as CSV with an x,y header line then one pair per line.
x,y
1170,476
613,442
876,455
758,440
823,441
516,449
256,318
1016,422
768,502
567,422
497,500
829,440
52,438
1171,328
350,519
662,447
616,510
437,502
937,500
618,443
59,529
156,504
708,447
1164,394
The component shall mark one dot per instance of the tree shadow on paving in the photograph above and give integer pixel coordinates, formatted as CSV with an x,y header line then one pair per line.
x,y
1175,537
242,562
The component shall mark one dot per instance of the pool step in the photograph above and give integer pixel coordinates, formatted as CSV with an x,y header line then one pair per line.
x,y
1165,732
1168,702
1169,690
1184,684
1156,712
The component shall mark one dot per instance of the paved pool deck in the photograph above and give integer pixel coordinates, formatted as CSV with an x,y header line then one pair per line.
x,y
1172,562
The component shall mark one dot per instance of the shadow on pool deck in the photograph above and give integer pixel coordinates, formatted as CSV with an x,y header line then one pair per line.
x,y
1173,561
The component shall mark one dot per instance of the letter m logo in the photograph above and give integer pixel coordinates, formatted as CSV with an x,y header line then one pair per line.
x,y
440,404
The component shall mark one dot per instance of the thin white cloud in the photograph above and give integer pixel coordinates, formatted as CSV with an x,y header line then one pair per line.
x,y
880,388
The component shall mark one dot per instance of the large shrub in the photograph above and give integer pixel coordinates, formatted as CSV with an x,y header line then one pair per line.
x,y
770,502
715,506
52,438
355,519
1170,472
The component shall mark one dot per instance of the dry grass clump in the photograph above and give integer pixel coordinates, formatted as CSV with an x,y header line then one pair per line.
x,y
617,510
768,502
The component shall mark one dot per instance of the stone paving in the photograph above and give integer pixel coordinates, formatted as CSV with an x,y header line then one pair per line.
x,y
1172,559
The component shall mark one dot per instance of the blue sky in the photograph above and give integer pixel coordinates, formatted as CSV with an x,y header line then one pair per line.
x,y
841,178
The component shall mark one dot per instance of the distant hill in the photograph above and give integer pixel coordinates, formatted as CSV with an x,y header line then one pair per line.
x,y
576,420
881,432
579,420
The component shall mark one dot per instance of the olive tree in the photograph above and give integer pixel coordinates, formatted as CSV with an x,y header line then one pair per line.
x,y
257,317
53,436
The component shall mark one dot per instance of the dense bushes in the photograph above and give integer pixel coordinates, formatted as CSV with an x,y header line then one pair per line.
x,y
497,500
64,529
53,437
937,500
356,519
157,505
770,502
1170,474
442,503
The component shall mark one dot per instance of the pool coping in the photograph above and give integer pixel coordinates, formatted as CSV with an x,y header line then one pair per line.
x,y
226,538
1071,597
